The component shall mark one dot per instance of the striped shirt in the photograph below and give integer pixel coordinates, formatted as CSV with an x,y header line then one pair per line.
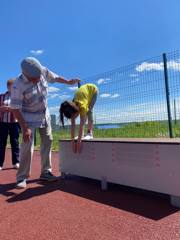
x,y
6,117
31,98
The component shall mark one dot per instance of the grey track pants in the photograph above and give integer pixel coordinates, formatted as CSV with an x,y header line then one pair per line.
x,y
27,149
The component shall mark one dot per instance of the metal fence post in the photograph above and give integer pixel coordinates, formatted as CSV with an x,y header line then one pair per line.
x,y
35,138
167,96
175,118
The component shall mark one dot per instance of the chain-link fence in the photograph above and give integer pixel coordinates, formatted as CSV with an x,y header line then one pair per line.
x,y
139,100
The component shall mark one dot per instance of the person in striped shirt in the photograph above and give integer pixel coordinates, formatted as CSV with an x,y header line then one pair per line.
x,y
29,104
8,126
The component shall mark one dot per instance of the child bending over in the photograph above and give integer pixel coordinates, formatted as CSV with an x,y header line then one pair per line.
x,y
82,104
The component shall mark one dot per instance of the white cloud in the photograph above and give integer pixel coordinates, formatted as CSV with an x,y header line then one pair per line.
x,y
53,89
37,52
133,75
145,66
54,110
102,80
105,95
65,97
115,95
173,65
73,88
52,96
108,95
59,96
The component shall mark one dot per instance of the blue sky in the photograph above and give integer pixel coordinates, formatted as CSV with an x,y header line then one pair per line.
x,y
85,37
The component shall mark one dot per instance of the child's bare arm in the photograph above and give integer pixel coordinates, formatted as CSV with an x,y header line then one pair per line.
x,y
81,128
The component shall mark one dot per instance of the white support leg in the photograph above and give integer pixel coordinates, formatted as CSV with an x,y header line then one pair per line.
x,y
175,201
104,184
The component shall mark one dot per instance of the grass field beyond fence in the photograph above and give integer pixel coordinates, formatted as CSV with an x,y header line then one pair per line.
x,y
132,130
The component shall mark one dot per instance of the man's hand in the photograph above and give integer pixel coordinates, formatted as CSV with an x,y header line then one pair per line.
x,y
27,134
71,81
74,81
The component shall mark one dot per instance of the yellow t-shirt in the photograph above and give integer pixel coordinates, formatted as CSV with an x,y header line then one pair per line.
x,y
83,97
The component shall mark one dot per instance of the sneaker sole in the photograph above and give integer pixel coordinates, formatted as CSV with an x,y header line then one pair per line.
x,y
19,187
48,179
87,139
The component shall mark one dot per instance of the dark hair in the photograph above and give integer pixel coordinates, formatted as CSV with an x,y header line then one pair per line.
x,y
67,110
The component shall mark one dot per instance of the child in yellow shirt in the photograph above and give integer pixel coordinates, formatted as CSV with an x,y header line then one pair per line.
x,y
82,104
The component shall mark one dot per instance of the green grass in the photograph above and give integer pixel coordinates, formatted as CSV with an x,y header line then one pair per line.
x,y
132,130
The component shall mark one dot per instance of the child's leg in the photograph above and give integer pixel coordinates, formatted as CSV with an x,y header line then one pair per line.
x,y
89,135
90,122
90,113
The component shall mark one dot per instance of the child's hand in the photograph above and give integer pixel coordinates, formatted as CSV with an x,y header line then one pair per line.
x,y
74,147
79,146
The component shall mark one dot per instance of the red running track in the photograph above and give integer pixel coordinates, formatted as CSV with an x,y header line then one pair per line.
x,y
76,209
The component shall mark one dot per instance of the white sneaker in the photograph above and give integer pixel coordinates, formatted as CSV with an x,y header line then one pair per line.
x,y
76,138
16,166
89,136
21,184
0,168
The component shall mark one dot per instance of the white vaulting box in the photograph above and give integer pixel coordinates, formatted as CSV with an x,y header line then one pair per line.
x,y
150,164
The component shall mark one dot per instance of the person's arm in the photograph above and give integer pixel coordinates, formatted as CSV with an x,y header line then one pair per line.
x,y
16,106
25,130
20,119
73,124
81,133
53,77
81,127
5,109
70,82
